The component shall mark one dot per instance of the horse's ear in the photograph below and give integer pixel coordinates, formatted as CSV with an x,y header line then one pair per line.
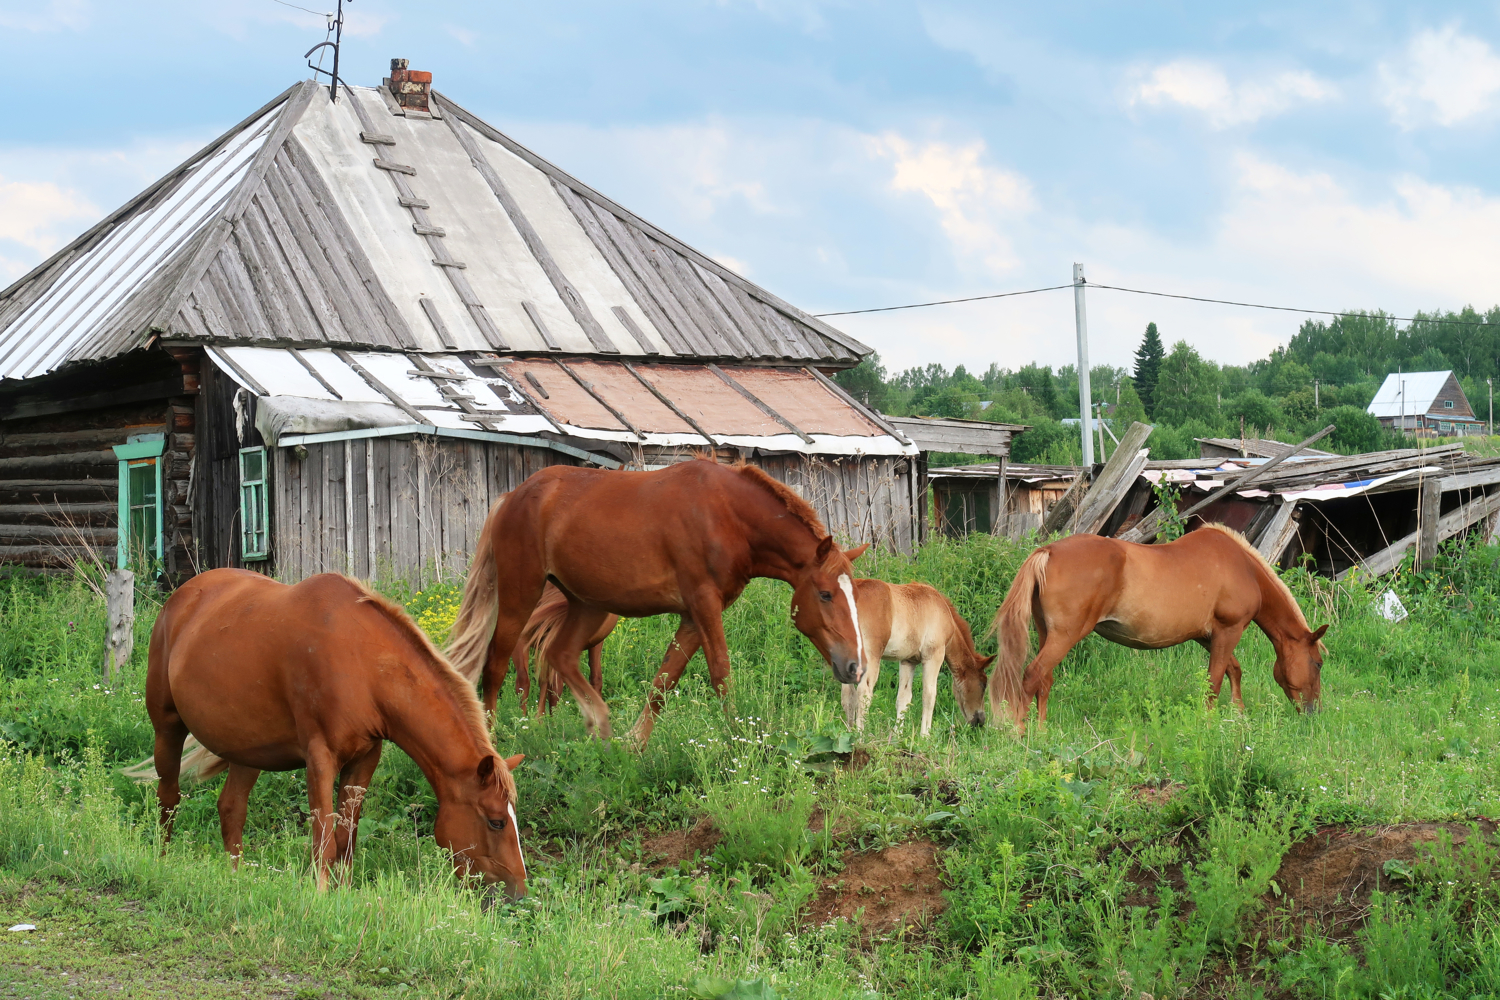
x,y
486,769
1318,632
824,548
514,762
856,552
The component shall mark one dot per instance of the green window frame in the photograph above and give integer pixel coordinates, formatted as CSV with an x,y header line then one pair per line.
x,y
140,530
255,508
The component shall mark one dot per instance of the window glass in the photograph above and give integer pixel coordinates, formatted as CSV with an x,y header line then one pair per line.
x,y
255,521
141,518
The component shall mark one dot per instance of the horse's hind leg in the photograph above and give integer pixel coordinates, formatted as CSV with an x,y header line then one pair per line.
x,y
680,650
562,657
354,782
171,734
234,804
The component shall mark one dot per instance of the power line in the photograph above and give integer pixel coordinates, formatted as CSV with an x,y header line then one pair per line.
x,y
320,13
1165,295
943,302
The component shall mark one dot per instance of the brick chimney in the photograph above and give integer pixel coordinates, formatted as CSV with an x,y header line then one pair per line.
x,y
410,87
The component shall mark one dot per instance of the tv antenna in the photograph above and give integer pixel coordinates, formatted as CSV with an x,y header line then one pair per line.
x,y
336,29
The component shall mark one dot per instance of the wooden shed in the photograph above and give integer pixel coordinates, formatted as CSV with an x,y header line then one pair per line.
x,y
331,338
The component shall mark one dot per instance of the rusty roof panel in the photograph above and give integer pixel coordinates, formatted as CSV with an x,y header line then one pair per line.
x,y
703,396
800,398
625,393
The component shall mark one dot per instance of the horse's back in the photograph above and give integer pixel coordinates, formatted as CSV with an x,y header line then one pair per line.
x,y
242,655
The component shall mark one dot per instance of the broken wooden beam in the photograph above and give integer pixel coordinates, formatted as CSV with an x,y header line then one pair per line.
x,y
1450,524
1113,481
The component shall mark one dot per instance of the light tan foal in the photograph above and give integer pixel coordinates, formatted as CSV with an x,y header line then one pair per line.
x,y
913,623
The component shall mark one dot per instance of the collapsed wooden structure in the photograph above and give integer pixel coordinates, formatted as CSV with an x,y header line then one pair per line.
x,y
333,337
1340,514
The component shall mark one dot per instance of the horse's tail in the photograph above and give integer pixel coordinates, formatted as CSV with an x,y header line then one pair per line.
x,y
480,610
541,628
1013,624
198,764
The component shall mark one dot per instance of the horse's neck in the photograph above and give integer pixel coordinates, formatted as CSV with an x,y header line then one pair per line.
x,y
781,546
432,727
1279,616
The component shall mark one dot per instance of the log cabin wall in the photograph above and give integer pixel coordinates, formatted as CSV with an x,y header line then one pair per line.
x,y
59,478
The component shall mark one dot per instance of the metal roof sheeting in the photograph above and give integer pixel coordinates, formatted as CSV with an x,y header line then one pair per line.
x,y
1422,389
314,391
319,224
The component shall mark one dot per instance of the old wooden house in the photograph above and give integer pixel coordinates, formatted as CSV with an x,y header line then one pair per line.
x,y
331,338
1425,404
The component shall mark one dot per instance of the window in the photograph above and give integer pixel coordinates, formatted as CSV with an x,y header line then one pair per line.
x,y
255,520
139,539
1447,404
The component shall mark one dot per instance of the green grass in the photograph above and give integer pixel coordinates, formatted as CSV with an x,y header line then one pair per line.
x,y
1045,838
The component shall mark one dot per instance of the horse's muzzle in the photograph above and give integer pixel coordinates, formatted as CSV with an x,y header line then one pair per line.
x,y
977,719
846,671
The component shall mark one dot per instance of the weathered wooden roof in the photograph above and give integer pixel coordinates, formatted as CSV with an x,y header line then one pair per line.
x,y
314,224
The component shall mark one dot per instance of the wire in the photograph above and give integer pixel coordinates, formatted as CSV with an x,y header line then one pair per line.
x,y
1166,295
943,302
320,13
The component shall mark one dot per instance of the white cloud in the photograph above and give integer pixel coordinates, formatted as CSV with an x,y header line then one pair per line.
x,y
465,37
38,217
55,15
1444,77
1204,87
976,202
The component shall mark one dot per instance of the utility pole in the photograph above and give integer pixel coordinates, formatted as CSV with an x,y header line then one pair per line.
x,y
1491,383
1085,394
1317,405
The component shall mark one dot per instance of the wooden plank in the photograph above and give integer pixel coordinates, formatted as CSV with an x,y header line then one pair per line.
x,y
703,299
406,552
869,414
647,287
541,327
588,387
1448,525
384,562
421,230
1147,526
1429,504
306,282
260,276
635,332
533,240
660,259
671,405
382,388
302,360
760,338
1279,533
584,212
759,404
1061,512
316,278
1114,480
430,308
396,168
377,139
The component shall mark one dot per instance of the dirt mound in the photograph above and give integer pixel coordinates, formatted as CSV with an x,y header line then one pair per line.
x,y
884,891
1329,876
1158,794
676,846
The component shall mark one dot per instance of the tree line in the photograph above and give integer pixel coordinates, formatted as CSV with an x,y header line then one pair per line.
x,y
1327,373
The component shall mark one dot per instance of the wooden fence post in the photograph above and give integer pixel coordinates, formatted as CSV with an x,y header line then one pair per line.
x,y
1427,522
119,591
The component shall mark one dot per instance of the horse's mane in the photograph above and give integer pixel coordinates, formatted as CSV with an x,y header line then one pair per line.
x,y
795,505
443,672
1271,573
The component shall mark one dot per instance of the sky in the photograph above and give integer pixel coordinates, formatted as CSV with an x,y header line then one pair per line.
x,y
855,155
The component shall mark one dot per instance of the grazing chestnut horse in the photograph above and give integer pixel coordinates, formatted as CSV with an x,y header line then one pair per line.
x,y
913,623
540,628
270,677
1206,586
683,540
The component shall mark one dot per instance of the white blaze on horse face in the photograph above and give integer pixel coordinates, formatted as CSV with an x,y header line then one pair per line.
x,y
515,829
859,640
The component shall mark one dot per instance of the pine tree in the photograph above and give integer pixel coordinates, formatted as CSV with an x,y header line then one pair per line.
x,y
1148,359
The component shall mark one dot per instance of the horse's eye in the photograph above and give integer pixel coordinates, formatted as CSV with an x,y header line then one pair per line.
x,y
825,596
497,824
